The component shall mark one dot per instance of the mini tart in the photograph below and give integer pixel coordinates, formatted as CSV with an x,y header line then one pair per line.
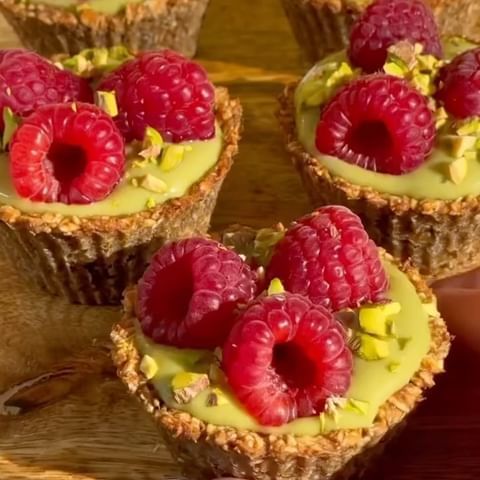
x,y
91,260
206,451
146,25
323,26
440,237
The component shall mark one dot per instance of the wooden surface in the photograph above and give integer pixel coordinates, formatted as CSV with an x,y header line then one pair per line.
x,y
74,420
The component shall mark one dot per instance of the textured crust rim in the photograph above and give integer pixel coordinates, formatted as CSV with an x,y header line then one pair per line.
x,y
398,204
143,25
334,450
229,115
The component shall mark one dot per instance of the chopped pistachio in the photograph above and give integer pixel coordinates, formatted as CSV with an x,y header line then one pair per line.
x,y
10,122
423,83
458,170
150,202
392,68
372,348
107,101
172,157
376,319
152,144
148,367
217,398
441,117
393,366
275,287
187,385
153,184
457,145
333,405
74,107
357,406
134,182
468,127
404,51
403,342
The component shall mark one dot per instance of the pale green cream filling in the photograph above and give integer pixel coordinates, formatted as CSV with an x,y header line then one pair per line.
x,y
373,381
110,7
127,198
431,180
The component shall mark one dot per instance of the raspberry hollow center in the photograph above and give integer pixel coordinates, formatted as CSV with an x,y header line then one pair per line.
x,y
66,162
371,139
293,365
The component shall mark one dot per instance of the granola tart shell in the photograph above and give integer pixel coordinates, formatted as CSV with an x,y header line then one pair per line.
x,y
91,260
441,238
146,25
206,451
323,26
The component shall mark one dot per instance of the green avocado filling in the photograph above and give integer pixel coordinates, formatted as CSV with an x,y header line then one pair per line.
x,y
109,7
386,359
451,171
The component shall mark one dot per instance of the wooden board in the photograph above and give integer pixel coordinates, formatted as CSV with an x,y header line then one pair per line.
x,y
75,420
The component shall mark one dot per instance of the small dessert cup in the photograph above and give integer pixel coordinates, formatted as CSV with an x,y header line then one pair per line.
x,y
51,28
209,449
323,26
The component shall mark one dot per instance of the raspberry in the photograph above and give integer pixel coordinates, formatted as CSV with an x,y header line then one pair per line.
x,y
284,357
28,81
328,257
459,85
190,292
378,122
69,153
385,23
165,91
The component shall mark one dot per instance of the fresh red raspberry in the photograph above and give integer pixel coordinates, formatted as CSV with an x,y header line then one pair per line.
x,y
189,294
28,80
386,22
165,91
69,153
284,357
378,122
328,257
459,85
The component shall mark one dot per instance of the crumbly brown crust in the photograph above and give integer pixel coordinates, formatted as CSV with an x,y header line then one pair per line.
x,y
322,26
206,450
145,25
442,238
92,259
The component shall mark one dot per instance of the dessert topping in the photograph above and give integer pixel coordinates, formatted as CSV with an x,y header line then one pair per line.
x,y
173,156
107,102
377,319
10,125
275,287
357,406
393,366
190,292
149,367
459,85
372,348
264,242
62,155
458,170
153,184
386,22
152,145
188,385
328,257
285,357
216,398
166,91
378,122
28,81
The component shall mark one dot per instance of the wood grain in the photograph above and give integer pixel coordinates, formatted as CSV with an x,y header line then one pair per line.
x,y
75,421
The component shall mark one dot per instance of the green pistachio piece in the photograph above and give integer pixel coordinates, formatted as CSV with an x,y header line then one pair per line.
x,y
217,398
376,319
275,287
403,54
152,144
392,68
441,117
187,385
151,203
148,367
372,348
468,127
11,123
357,406
393,366
457,145
153,184
403,342
172,157
107,101
457,170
